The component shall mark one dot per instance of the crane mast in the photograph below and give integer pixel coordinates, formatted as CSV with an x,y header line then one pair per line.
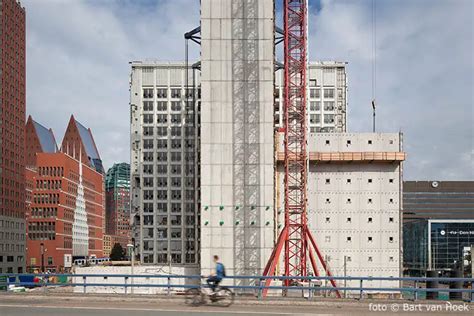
x,y
295,238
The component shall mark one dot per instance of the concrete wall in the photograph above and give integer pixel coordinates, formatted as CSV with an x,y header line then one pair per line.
x,y
354,207
137,270
237,54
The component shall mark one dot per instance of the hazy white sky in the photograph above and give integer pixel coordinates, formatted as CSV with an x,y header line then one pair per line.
x,y
78,54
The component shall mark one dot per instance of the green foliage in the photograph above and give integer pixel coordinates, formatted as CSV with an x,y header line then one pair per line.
x,y
117,253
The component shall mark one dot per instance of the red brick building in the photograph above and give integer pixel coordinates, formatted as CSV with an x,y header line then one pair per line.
x,y
66,211
12,137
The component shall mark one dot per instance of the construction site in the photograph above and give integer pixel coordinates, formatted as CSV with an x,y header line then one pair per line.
x,y
248,157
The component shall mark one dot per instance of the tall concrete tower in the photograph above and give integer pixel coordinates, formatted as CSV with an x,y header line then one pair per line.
x,y
237,161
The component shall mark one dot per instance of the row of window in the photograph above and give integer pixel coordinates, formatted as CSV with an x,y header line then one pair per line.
x,y
51,171
163,169
349,239
48,184
316,118
163,182
163,143
163,220
11,259
46,198
369,201
163,131
349,142
149,245
163,194
163,258
163,207
6,224
12,247
369,180
174,93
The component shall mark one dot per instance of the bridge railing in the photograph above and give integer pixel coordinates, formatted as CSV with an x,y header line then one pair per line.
x,y
307,285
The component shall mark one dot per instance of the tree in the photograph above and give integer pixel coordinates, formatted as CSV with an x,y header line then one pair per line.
x,y
117,253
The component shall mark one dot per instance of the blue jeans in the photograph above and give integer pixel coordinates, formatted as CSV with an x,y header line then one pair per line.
x,y
213,282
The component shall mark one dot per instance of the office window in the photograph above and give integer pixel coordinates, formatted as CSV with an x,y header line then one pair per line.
x,y
328,181
369,201
162,105
328,201
348,180
369,180
328,93
162,118
369,239
390,259
390,201
314,93
349,142
176,93
369,142
327,238
161,93
369,219
329,105
147,118
161,131
315,106
349,201
370,259
148,93
176,106
327,142
147,105
162,143
349,220
349,238
390,239
328,220
148,131
328,118
315,118
390,219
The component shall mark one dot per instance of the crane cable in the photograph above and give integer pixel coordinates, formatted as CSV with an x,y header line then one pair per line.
x,y
374,51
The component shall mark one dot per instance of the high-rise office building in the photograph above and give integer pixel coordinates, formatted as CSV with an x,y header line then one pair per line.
x,y
163,164
12,131
327,97
117,204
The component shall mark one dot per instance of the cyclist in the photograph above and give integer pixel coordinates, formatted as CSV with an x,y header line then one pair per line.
x,y
214,279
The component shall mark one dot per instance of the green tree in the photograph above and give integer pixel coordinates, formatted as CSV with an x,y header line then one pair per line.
x,y
117,253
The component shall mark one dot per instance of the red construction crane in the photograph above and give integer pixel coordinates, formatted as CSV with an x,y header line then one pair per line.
x,y
295,237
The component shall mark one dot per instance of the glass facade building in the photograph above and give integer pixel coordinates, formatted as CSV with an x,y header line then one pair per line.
x,y
436,244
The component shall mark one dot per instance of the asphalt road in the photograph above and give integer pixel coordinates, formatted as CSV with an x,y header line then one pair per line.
x,y
64,305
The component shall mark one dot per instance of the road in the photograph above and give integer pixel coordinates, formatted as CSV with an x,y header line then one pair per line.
x,y
61,305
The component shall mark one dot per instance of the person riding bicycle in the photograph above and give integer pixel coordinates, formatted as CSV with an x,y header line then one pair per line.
x,y
214,279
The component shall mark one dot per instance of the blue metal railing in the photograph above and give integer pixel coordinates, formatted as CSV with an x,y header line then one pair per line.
x,y
80,280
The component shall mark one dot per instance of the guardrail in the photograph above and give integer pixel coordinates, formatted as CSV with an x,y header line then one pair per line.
x,y
309,285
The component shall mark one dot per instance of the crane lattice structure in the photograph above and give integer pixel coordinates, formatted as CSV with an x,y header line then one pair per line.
x,y
295,238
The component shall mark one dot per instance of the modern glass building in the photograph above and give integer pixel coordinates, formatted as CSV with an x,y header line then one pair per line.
x,y
436,244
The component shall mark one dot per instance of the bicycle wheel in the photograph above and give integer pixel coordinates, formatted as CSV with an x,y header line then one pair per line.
x,y
224,297
193,297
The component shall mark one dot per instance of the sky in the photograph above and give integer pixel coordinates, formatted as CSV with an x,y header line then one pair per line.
x,y
78,54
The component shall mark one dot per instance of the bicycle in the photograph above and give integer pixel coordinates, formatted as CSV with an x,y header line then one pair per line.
x,y
222,296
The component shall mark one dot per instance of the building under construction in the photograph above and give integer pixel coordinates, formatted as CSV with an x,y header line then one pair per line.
x,y
208,157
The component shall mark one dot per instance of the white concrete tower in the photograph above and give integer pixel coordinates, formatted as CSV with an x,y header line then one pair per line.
x,y
237,162
80,228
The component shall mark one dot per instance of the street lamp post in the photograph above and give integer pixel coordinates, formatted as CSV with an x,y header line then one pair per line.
x,y
42,257
131,252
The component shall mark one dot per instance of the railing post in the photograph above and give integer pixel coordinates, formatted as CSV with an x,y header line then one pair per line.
x,y
310,293
85,284
45,283
361,291
126,285
415,294
260,292
169,284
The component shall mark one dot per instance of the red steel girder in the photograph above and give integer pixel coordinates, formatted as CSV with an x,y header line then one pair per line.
x,y
295,238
